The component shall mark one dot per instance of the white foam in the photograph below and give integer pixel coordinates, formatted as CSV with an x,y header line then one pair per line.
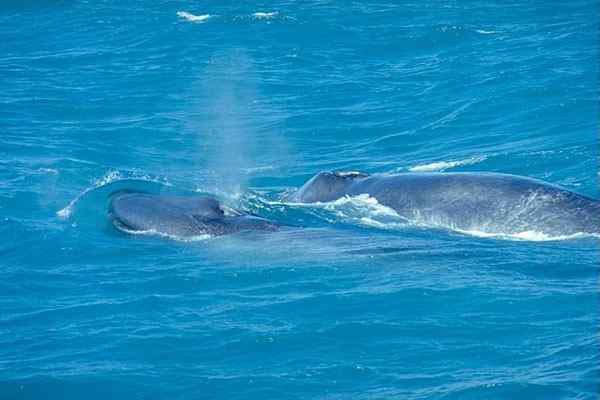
x,y
105,180
484,32
364,202
153,232
366,211
51,171
265,15
193,18
350,174
530,236
361,209
444,165
382,225
258,169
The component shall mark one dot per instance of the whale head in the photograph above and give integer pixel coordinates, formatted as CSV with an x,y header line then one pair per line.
x,y
170,214
179,216
327,186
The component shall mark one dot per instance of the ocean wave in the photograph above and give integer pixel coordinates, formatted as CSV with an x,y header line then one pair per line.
x,y
265,15
444,165
193,18
108,178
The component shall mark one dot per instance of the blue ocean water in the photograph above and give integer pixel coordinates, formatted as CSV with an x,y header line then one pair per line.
x,y
247,100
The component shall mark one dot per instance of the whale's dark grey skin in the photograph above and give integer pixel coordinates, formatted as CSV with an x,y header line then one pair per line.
x,y
180,216
487,202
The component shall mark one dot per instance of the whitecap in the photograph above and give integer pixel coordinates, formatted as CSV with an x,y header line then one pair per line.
x,y
484,32
444,165
51,171
193,18
265,15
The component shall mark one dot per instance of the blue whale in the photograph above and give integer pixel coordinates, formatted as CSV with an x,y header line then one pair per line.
x,y
180,216
486,202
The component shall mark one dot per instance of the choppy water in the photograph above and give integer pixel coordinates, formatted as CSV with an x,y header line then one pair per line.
x,y
247,101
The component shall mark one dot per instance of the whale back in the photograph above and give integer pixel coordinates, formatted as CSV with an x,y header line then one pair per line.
x,y
487,202
327,186
200,207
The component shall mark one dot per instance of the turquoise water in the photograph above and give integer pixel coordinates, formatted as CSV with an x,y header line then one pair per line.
x,y
246,101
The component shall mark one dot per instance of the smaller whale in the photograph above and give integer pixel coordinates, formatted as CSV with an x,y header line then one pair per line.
x,y
485,202
180,216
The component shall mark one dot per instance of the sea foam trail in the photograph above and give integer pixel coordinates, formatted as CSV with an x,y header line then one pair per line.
x,y
193,18
444,165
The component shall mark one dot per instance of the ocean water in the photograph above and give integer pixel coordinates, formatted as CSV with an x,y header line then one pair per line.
x,y
246,101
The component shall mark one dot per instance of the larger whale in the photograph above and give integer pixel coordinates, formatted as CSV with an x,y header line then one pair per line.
x,y
486,202
180,216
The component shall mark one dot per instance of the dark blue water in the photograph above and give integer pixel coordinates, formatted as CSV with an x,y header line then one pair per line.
x,y
103,96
